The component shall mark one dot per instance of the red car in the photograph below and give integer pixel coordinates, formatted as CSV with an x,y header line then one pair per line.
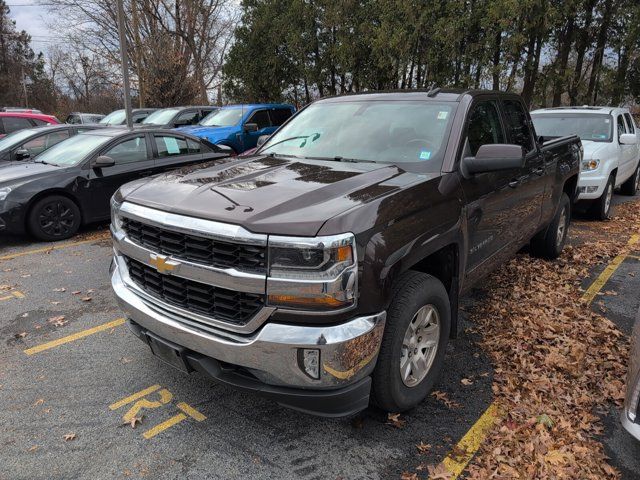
x,y
13,121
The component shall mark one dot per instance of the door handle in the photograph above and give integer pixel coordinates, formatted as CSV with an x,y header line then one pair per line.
x,y
514,183
539,171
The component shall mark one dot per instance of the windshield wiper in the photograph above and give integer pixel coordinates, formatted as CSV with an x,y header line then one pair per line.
x,y
288,139
338,158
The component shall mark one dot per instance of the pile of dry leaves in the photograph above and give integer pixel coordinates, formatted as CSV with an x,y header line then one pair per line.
x,y
557,363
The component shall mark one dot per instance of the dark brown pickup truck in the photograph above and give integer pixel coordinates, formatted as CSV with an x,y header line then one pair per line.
x,y
326,268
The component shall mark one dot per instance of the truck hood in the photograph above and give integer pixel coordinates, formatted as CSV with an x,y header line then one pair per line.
x,y
269,194
594,149
213,134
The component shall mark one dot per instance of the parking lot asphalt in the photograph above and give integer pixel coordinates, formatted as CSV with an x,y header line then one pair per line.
x,y
80,397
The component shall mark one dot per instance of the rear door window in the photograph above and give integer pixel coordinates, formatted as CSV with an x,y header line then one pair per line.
x,y
13,124
630,126
518,125
279,116
484,127
170,146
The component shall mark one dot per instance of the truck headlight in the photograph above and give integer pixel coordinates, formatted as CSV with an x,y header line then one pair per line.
x,y
4,191
116,221
588,165
312,273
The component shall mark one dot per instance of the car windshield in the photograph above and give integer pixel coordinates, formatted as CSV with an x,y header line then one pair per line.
x,y
225,117
72,151
161,117
591,127
114,118
16,138
368,130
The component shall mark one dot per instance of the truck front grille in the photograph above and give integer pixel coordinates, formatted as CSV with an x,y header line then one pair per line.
x,y
197,249
219,303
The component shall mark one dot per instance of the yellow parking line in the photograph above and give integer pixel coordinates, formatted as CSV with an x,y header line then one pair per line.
x,y
606,274
465,449
76,336
192,412
11,256
161,427
134,397
12,295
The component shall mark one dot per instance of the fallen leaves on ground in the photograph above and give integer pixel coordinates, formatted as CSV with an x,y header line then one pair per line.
x,y
423,447
69,437
439,472
57,321
444,398
557,362
394,420
135,421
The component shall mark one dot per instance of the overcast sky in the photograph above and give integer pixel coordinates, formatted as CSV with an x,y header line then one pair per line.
x,y
30,17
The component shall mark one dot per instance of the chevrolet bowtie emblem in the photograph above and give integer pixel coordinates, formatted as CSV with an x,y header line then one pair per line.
x,y
162,264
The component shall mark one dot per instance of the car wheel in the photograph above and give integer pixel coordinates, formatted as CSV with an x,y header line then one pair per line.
x,y
601,209
550,242
413,346
54,218
631,186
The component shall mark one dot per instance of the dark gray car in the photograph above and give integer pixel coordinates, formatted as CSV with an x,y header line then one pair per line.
x,y
631,411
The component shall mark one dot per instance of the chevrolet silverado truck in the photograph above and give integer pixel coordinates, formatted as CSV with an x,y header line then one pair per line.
x,y
324,271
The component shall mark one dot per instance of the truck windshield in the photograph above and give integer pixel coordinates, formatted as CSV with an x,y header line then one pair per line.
x,y
591,127
225,117
115,118
393,131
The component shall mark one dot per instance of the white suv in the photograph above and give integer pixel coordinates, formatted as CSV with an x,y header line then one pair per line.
x,y
611,149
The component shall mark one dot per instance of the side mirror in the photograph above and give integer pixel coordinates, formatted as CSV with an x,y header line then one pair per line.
x,y
494,157
250,127
103,161
628,139
22,154
262,139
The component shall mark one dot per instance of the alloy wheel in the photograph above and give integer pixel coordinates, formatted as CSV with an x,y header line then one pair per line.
x,y
420,345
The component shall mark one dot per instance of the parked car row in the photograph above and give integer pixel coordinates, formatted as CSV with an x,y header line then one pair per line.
x,y
12,121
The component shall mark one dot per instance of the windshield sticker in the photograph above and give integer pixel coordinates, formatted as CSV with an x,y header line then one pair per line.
x,y
425,155
172,145
443,115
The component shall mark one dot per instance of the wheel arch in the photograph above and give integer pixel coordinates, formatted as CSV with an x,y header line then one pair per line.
x,y
47,193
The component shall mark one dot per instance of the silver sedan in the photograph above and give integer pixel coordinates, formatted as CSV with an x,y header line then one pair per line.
x,y
631,411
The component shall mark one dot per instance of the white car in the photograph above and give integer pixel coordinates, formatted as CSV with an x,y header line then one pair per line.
x,y
611,150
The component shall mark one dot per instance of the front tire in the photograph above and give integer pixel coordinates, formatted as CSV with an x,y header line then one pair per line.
x,y
601,208
413,347
631,186
54,218
550,242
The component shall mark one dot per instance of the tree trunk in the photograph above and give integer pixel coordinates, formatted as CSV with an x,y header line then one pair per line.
x,y
496,60
598,55
582,42
564,48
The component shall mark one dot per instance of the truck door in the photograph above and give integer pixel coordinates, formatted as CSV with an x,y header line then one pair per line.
x,y
533,177
492,198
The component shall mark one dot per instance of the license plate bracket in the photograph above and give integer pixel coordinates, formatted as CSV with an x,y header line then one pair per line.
x,y
168,352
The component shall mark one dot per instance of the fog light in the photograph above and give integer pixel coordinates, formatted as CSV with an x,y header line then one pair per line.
x,y
309,359
592,189
582,189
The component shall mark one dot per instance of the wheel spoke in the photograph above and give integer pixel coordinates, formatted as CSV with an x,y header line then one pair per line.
x,y
405,368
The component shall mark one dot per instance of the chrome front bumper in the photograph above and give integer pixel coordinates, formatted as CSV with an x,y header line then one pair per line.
x,y
348,352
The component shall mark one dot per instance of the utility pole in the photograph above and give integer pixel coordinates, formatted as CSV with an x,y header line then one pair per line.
x,y
125,64
24,86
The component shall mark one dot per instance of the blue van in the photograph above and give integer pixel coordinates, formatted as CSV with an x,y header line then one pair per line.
x,y
240,126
